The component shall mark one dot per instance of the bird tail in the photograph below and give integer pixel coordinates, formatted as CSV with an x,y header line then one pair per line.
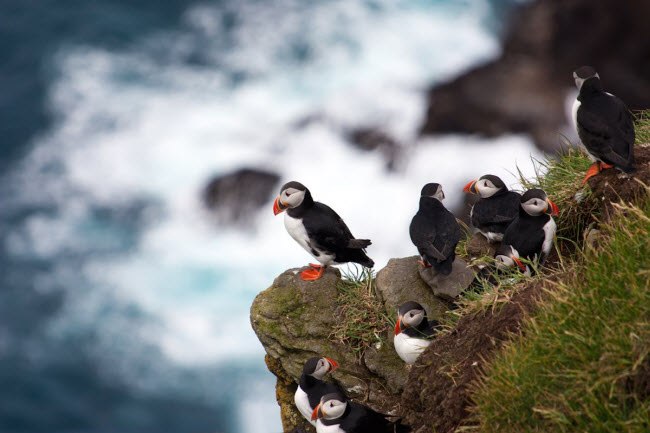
x,y
359,243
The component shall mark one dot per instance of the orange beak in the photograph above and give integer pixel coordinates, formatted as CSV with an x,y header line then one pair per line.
x,y
398,327
470,188
333,365
317,413
278,206
522,267
551,209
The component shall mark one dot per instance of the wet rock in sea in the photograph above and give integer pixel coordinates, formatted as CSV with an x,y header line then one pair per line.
x,y
235,195
369,138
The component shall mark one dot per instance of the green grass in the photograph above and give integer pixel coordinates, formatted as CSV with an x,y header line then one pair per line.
x,y
364,318
581,363
642,127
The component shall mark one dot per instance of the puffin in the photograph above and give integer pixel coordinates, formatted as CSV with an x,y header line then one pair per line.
x,y
506,258
312,387
336,414
604,124
496,208
412,331
532,231
435,231
319,230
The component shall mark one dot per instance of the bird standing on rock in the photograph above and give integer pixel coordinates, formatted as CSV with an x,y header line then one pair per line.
x,y
533,230
605,125
319,230
496,209
435,231
336,414
312,387
412,331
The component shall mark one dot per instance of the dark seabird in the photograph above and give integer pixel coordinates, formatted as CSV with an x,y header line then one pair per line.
x,y
435,231
312,387
496,209
533,230
412,331
319,230
605,125
336,414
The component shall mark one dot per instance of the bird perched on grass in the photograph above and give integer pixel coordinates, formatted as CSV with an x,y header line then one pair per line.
x,y
435,231
604,124
319,230
496,209
533,230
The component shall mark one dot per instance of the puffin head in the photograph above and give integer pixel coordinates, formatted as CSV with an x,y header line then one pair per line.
x,y
331,406
409,315
433,190
535,202
319,367
584,73
291,195
507,257
486,186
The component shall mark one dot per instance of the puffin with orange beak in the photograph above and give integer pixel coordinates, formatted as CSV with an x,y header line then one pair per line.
x,y
496,208
413,331
319,230
312,387
533,230
336,414
604,124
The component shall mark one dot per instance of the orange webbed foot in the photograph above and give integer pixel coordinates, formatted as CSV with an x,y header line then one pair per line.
x,y
604,166
312,274
424,264
315,266
593,170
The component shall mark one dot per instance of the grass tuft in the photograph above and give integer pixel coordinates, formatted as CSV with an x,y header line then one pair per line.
x,y
583,362
363,317
642,127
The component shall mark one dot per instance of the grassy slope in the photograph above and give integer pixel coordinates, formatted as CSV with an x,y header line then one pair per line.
x,y
584,363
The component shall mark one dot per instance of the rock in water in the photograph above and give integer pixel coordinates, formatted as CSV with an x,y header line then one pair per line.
x,y
452,285
235,195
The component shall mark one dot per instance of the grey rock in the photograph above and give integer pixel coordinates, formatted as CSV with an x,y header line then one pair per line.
x,y
385,362
479,246
399,282
448,286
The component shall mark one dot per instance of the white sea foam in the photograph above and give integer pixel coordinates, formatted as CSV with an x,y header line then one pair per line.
x,y
138,125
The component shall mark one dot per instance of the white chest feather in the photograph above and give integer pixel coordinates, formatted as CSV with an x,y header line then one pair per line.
x,y
409,348
549,234
302,403
297,230
322,428
574,110
492,237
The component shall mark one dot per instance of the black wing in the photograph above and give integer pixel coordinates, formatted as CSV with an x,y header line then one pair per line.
x,y
606,128
525,238
423,235
327,228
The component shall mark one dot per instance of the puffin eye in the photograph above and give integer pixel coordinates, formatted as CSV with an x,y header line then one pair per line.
x,y
411,314
331,404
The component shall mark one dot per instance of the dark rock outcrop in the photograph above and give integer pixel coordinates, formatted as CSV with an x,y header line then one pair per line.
x,y
233,196
369,138
525,89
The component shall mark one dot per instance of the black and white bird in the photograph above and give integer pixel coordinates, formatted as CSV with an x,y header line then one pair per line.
x,y
312,387
319,230
605,125
336,414
533,230
496,208
435,231
413,331
506,257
